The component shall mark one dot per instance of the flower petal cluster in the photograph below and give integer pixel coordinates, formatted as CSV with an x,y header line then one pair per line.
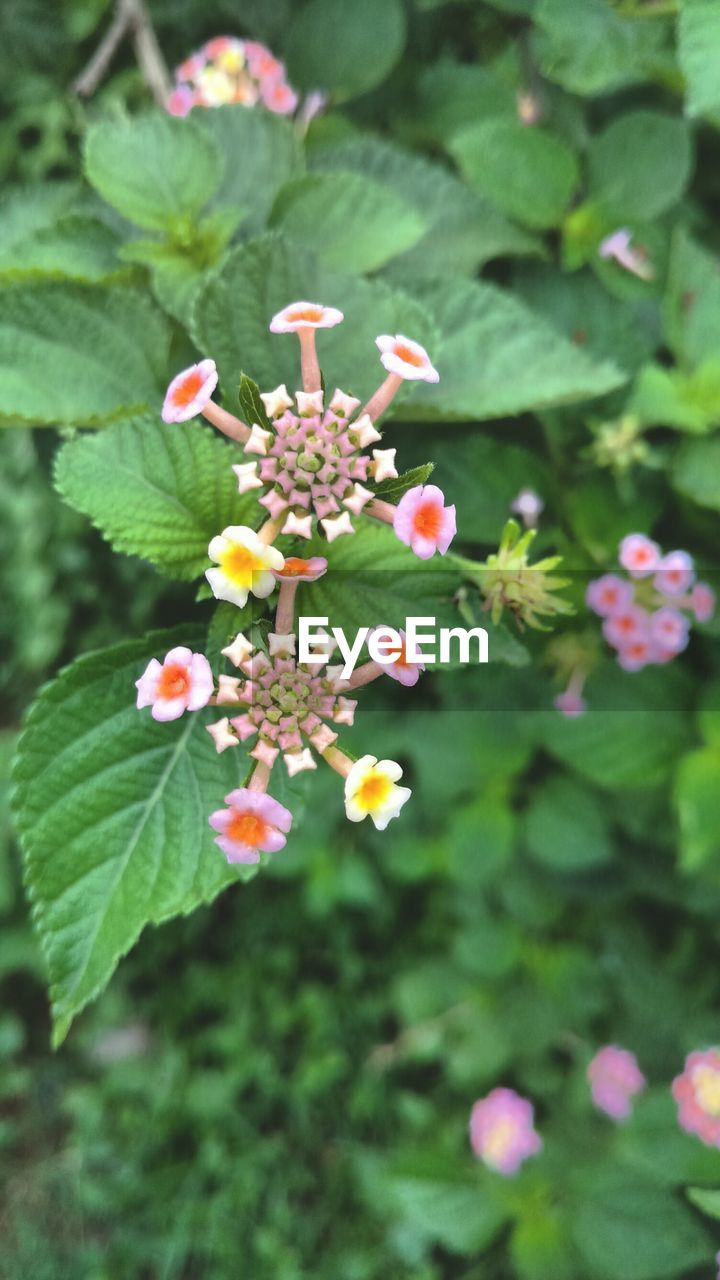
x,y
697,1094
615,1078
226,70
646,616
502,1131
305,461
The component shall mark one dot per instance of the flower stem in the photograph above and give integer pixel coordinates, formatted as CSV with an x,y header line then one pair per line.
x,y
309,366
380,510
364,675
260,777
385,393
226,422
285,612
270,530
338,761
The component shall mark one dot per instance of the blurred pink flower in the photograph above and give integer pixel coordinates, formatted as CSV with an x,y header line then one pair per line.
x,y
639,555
502,1131
615,1078
697,1093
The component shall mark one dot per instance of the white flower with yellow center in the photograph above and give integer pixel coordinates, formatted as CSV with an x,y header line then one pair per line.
x,y
245,565
371,791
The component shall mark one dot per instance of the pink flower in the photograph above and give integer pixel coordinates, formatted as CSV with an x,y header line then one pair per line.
x,y
297,570
423,522
529,506
189,392
669,630
675,574
278,96
406,358
639,555
181,100
619,246
608,594
702,601
184,682
697,1093
305,315
253,822
262,63
626,625
502,1131
402,670
636,654
571,704
615,1078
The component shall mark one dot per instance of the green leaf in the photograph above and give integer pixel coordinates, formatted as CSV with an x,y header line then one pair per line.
x,y
696,472
260,151
73,248
157,170
671,398
482,475
541,1247
629,1230
156,491
464,230
699,54
453,94
632,734
440,1202
349,220
372,578
707,1201
252,407
234,309
692,301
78,354
497,357
112,809
566,827
393,490
528,173
589,48
640,164
347,49
696,799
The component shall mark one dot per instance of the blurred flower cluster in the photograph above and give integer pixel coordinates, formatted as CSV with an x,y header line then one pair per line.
x,y
227,70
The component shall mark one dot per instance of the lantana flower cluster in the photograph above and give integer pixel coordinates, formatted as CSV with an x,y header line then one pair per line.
x,y
227,70
308,469
647,614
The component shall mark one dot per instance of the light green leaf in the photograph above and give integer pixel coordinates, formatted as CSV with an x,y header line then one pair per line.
x,y
696,799
260,151
78,354
347,49
692,301
112,809
234,309
528,173
497,357
464,229
73,248
393,490
566,827
696,472
671,398
640,164
699,54
350,221
707,1201
156,491
541,1247
28,209
589,48
630,1230
157,170
453,94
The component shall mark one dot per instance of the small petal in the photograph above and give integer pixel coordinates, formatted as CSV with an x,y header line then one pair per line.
x,y
277,401
406,358
282,645
239,651
247,476
305,315
258,440
301,526
189,392
384,468
299,761
222,735
336,526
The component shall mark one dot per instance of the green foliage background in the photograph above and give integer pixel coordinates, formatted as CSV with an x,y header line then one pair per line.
x,y
278,1086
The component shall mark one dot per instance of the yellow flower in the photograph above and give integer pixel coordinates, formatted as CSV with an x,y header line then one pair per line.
x,y
245,565
371,791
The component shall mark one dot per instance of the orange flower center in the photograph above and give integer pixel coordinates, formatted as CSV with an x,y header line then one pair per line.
x,y
401,660
428,520
174,681
247,828
626,622
409,356
188,389
312,315
373,791
293,567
